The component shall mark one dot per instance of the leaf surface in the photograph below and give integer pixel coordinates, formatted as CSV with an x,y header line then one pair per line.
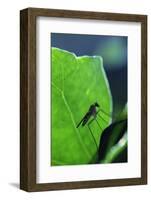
x,y
77,83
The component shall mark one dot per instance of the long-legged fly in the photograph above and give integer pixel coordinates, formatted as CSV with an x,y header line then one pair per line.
x,y
93,111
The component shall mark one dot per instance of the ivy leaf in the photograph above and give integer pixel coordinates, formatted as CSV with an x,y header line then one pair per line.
x,y
77,83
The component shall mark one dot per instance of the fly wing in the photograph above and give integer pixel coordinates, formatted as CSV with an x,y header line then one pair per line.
x,y
80,122
86,118
83,120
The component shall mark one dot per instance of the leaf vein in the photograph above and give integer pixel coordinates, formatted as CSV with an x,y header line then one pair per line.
x,y
74,124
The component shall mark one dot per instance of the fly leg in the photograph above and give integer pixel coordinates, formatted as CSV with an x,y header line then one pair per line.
x,y
92,133
105,113
98,124
102,118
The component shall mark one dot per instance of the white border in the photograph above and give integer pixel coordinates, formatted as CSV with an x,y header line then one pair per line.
x,y
47,173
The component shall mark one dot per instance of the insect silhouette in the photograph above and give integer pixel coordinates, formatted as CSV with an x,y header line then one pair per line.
x,y
93,111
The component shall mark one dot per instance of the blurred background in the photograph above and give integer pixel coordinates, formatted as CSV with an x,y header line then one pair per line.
x,y
113,50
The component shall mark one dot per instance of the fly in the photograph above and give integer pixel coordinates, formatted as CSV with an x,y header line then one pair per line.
x,y
93,111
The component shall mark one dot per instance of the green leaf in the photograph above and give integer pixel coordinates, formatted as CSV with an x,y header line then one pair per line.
x,y
117,150
77,83
123,114
111,136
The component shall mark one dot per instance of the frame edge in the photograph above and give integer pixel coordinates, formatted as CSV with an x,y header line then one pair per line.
x,y
23,99
28,61
27,101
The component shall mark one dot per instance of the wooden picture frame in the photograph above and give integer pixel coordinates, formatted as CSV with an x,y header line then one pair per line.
x,y
28,98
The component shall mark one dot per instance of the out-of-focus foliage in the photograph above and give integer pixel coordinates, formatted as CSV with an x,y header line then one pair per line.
x,y
113,141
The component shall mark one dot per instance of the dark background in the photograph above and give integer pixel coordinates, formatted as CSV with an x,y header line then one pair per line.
x,y
113,50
